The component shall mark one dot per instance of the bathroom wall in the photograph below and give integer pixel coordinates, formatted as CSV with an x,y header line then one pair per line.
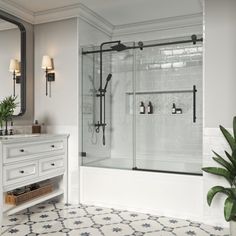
x,y
219,95
59,112
220,59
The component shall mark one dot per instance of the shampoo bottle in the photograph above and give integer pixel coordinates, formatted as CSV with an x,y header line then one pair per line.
x,y
173,109
150,108
141,108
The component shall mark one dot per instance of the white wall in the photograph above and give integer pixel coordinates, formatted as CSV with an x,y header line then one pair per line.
x,y
219,92
60,111
220,60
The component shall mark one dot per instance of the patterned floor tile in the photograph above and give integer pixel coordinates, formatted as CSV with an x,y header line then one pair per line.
x,y
43,216
146,226
78,223
71,213
160,233
42,207
117,229
93,210
15,220
172,222
215,230
18,230
57,219
106,219
190,231
86,232
46,227
131,216
62,206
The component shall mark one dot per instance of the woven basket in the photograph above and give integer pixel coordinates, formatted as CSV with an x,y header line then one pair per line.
x,y
17,200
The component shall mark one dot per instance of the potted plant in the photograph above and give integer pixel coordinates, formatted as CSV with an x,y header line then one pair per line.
x,y
227,171
7,107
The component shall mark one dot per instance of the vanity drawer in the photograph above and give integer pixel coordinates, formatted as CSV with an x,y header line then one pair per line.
x,y
18,152
21,172
51,164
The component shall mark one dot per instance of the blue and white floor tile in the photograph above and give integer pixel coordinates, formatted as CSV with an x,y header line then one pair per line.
x,y
57,219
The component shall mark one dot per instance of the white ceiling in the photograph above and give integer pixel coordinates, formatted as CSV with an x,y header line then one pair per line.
x,y
118,12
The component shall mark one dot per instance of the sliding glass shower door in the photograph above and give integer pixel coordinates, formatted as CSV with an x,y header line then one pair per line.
x,y
169,84
152,105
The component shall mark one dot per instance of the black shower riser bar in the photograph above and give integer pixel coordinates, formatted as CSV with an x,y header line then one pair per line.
x,y
145,46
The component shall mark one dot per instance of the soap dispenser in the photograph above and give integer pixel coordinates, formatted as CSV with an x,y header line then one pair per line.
x,y
141,108
36,128
150,108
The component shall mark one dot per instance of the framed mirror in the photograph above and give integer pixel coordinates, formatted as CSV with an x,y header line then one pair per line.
x,y
13,60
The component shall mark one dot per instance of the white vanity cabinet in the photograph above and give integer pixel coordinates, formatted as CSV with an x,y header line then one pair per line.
x,y
29,159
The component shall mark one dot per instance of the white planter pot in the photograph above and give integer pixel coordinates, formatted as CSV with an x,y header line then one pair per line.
x,y
232,226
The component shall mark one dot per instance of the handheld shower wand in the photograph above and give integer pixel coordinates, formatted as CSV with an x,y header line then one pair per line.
x,y
104,108
107,81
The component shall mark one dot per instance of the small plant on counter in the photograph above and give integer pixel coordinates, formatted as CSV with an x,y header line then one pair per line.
x,y
227,171
7,107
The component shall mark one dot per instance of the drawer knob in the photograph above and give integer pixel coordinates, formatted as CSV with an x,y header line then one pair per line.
x,y
22,172
52,164
22,150
52,146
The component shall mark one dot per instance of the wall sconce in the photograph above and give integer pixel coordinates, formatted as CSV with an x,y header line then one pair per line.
x,y
47,65
14,68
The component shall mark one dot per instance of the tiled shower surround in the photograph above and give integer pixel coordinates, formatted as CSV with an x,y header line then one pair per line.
x,y
161,138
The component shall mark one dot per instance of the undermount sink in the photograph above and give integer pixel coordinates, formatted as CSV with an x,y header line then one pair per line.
x,y
19,136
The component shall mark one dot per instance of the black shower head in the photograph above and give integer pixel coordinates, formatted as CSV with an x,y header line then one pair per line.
x,y
119,47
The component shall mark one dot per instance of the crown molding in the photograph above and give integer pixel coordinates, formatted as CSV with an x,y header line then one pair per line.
x,y
81,11
96,20
56,14
76,10
159,24
16,10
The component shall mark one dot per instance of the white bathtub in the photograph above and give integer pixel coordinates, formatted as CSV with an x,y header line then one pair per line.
x,y
173,195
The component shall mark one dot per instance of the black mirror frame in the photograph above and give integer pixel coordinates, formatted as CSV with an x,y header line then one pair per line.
x,y
14,20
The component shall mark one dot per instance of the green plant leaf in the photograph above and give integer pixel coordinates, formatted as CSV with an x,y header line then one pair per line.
x,y
224,163
229,138
213,191
234,127
7,107
221,172
232,158
229,208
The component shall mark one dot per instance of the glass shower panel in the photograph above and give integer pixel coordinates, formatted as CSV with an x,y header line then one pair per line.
x,y
122,109
167,137
93,150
